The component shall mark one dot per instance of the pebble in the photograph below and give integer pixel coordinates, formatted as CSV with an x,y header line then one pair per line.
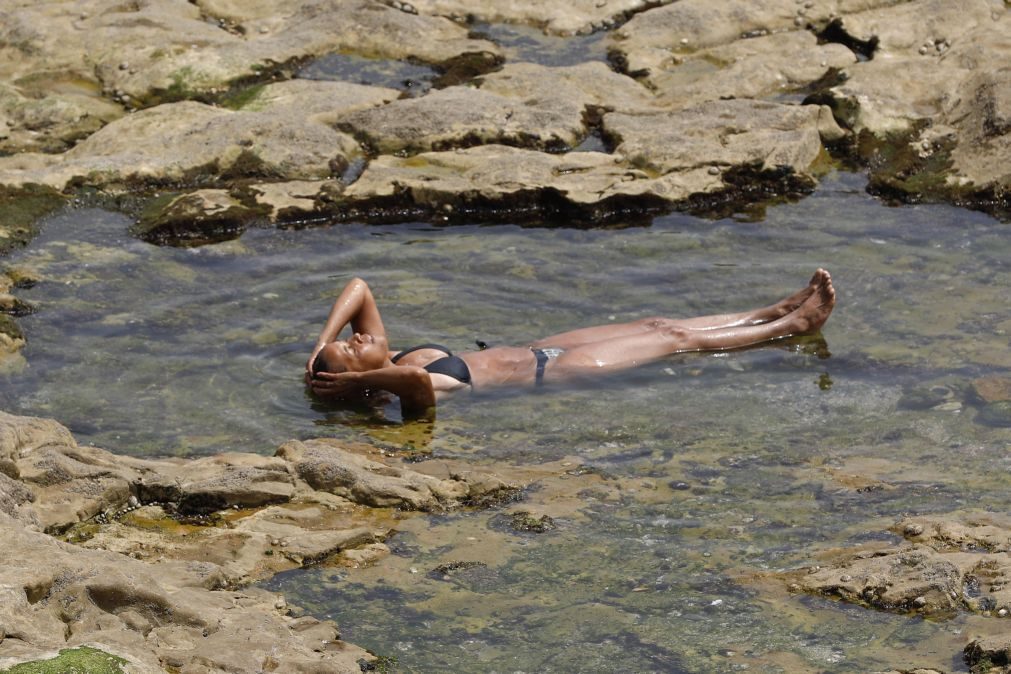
x,y
793,587
814,569
714,171
913,529
124,66
264,30
845,578
132,501
798,21
279,604
684,41
1002,613
923,50
920,602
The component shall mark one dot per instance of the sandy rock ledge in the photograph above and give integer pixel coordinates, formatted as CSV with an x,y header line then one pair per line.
x,y
164,550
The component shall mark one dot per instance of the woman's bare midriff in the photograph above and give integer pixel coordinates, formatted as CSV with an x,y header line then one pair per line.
x,y
501,366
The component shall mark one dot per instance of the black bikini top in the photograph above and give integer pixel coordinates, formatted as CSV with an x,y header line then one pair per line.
x,y
450,365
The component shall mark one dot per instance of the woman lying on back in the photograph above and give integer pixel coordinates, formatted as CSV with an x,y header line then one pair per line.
x,y
421,375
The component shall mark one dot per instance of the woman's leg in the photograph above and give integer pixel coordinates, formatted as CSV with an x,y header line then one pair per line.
x,y
577,338
611,355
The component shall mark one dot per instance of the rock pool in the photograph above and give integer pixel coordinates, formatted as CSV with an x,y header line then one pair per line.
x,y
722,469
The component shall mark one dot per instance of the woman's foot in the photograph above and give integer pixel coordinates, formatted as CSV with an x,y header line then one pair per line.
x,y
816,308
792,303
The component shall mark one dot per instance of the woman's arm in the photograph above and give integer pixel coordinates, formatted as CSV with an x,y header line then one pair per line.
x,y
412,385
355,305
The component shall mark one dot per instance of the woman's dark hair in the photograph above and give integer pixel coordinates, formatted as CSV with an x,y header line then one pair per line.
x,y
318,365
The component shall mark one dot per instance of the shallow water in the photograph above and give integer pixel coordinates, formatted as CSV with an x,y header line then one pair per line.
x,y
154,351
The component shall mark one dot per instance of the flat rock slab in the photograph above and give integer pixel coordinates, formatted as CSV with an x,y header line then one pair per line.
x,y
775,65
724,134
651,39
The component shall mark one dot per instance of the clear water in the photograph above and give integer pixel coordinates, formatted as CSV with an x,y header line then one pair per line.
x,y
412,79
156,351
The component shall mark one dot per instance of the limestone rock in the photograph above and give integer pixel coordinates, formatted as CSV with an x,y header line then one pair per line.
x,y
994,650
13,495
222,481
582,86
958,562
518,183
33,117
196,143
723,134
327,466
55,595
757,68
464,116
20,436
650,39
564,18
196,217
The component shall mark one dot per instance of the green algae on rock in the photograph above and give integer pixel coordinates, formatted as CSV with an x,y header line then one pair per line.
x,y
83,660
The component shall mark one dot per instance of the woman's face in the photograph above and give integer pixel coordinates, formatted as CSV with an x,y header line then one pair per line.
x,y
360,353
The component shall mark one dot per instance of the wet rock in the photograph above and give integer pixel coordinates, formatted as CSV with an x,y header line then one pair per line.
x,y
988,653
328,466
960,562
524,521
981,119
20,211
197,217
992,389
996,414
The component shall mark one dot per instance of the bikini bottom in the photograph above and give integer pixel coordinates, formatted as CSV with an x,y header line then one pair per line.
x,y
543,356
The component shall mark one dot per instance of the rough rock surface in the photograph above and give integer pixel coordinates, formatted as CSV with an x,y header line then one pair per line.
x,y
564,18
95,58
162,545
56,595
192,142
920,83
951,563
326,466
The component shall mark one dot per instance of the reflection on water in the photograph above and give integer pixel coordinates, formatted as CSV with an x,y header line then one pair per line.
x,y
146,350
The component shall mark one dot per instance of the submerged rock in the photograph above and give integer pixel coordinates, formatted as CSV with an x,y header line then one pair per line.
x,y
959,562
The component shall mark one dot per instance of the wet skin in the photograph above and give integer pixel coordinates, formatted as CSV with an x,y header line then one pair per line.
x,y
362,363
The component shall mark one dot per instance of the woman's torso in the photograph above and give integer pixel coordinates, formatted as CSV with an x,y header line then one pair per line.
x,y
494,367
